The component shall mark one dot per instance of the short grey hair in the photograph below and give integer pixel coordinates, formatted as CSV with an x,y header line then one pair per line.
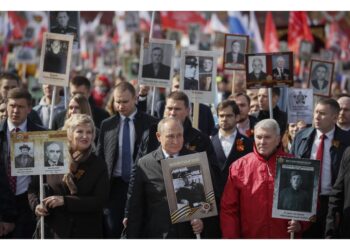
x,y
164,121
268,124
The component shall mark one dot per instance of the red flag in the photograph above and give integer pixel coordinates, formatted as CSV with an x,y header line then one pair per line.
x,y
271,39
18,23
179,20
298,29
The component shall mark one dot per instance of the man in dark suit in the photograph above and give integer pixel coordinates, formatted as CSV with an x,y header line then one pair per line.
x,y
149,215
53,153
18,108
118,144
9,81
257,74
229,144
327,142
156,69
55,59
246,122
338,218
81,85
264,113
280,72
190,79
235,56
319,83
206,122
24,160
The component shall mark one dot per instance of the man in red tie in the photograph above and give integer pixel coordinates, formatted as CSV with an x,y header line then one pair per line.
x,y
324,142
18,108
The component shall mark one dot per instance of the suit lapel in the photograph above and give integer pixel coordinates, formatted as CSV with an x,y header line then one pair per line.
x,y
309,140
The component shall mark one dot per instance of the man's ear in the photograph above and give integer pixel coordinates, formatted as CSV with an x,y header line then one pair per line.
x,y
158,136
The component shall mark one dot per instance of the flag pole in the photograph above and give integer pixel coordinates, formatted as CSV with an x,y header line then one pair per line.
x,y
153,88
270,103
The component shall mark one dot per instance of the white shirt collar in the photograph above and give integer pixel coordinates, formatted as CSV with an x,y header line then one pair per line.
x,y
166,155
22,127
231,136
131,117
329,134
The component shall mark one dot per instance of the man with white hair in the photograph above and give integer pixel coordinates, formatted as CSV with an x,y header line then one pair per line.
x,y
246,203
344,114
280,72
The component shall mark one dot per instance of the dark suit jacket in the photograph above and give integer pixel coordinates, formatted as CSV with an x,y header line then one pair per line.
x,y
29,164
315,85
206,122
252,77
81,215
302,145
163,72
149,215
9,207
109,137
278,115
285,74
191,84
47,164
224,163
339,202
229,58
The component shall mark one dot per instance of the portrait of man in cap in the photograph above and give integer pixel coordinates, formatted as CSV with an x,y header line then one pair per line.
x,y
24,160
191,81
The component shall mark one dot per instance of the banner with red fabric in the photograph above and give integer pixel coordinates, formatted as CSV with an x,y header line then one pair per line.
x,y
179,20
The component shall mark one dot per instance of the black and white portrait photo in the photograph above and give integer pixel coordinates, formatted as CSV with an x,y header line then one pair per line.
x,y
24,155
55,59
65,22
296,192
191,73
236,47
188,186
132,21
53,154
281,68
256,68
156,62
25,55
305,50
320,80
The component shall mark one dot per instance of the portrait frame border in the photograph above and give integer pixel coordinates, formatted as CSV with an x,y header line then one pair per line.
x,y
186,213
224,63
329,79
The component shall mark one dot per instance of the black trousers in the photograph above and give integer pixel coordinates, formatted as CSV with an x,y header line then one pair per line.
x,y
25,222
114,212
317,229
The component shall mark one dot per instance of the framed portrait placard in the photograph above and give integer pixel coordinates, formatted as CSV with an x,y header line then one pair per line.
x,y
269,70
296,189
26,55
56,55
300,105
320,77
189,188
198,75
36,153
235,48
156,62
305,50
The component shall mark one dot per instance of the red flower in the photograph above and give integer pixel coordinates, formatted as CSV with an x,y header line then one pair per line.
x,y
240,145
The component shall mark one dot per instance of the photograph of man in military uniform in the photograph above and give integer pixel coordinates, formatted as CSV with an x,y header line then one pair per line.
x,y
295,195
65,22
24,159
191,73
189,187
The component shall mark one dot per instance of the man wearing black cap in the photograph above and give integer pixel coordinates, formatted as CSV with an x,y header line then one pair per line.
x,y
191,83
24,160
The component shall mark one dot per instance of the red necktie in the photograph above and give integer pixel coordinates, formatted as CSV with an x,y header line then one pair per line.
x,y
319,156
12,179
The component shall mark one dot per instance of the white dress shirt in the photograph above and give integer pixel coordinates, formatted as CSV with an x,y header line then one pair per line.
x,y
117,171
22,182
166,155
326,178
227,142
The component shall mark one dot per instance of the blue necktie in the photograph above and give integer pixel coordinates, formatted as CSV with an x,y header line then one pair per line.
x,y
126,154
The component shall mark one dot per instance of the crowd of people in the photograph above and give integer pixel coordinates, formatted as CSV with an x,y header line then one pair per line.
x,y
115,186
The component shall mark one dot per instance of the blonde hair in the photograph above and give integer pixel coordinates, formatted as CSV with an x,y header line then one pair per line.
x,y
79,119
